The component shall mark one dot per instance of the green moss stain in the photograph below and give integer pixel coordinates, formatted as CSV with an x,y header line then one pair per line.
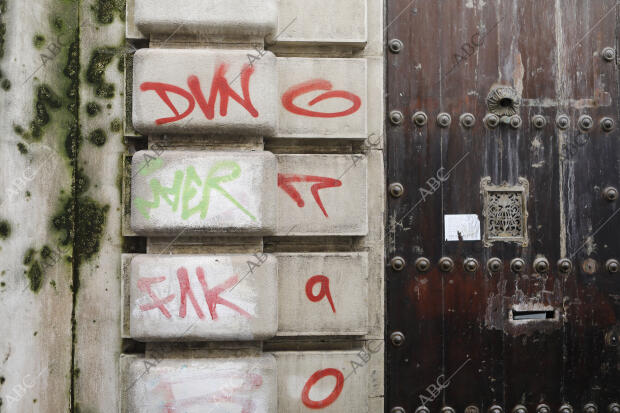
x,y
5,84
29,256
58,24
72,72
97,137
18,130
105,10
82,222
38,41
93,109
34,272
116,125
2,27
46,252
22,148
95,73
46,98
5,229
80,183
35,276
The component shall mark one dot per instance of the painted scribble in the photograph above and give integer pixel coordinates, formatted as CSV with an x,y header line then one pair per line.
x,y
213,296
333,396
319,84
187,185
236,394
285,182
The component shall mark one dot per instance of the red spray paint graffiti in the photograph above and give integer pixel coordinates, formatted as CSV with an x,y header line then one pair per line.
x,y
285,182
323,292
212,295
321,404
219,87
319,84
240,395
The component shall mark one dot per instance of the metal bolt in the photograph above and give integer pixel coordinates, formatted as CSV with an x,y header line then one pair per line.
x,y
541,265
444,120
611,338
585,122
608,54
539,121
566,408
607,124
517,265
397,409
467,120
422,264
396,189
397,263
491,120
542,408
562,121
565,265
515,121
396,117
519,408
613,408
612,265
494,264
420,118
422,409
472,409
496,409
470,265
447,409
590,408
395,45
446,264
610,193
397,338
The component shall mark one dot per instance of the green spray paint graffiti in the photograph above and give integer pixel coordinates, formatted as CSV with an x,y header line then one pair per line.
x,y
185,187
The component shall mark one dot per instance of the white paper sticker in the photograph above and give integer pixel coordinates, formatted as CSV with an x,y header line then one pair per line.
x,y
464,227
